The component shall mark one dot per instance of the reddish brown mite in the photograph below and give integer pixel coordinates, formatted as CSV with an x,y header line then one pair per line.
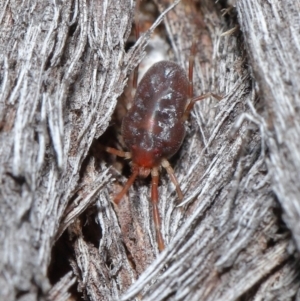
x,y
153,129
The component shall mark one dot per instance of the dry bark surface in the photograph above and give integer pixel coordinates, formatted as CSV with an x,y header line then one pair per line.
x,y
63,68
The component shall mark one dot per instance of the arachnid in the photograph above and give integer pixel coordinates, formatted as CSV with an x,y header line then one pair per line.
x,y
153,129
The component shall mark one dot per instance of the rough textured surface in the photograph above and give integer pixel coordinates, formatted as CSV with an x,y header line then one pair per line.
x,y
63,64
274,55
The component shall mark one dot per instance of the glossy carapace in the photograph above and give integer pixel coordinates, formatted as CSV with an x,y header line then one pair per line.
x,y
153,128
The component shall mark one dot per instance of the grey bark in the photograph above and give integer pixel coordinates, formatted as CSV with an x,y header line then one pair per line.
x,y
235,237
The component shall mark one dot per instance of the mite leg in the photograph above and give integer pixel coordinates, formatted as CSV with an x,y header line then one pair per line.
x,y
119,153
156,216
191,87
129,182
197,98
165,163
126,155
191,69
192,99
191,105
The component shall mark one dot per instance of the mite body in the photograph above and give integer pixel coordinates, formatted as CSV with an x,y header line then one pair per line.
x,y
153,129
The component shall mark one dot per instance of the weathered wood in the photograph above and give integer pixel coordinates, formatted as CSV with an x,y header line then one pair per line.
x,y
273,40
63,66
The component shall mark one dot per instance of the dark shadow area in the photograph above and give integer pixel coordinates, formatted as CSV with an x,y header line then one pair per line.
x,y
62,253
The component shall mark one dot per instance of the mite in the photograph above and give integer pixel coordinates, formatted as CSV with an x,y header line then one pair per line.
x,y
153,129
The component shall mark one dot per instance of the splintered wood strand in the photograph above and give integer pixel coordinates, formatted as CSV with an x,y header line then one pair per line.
x,y
156,216
130,181
165,163
137,35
